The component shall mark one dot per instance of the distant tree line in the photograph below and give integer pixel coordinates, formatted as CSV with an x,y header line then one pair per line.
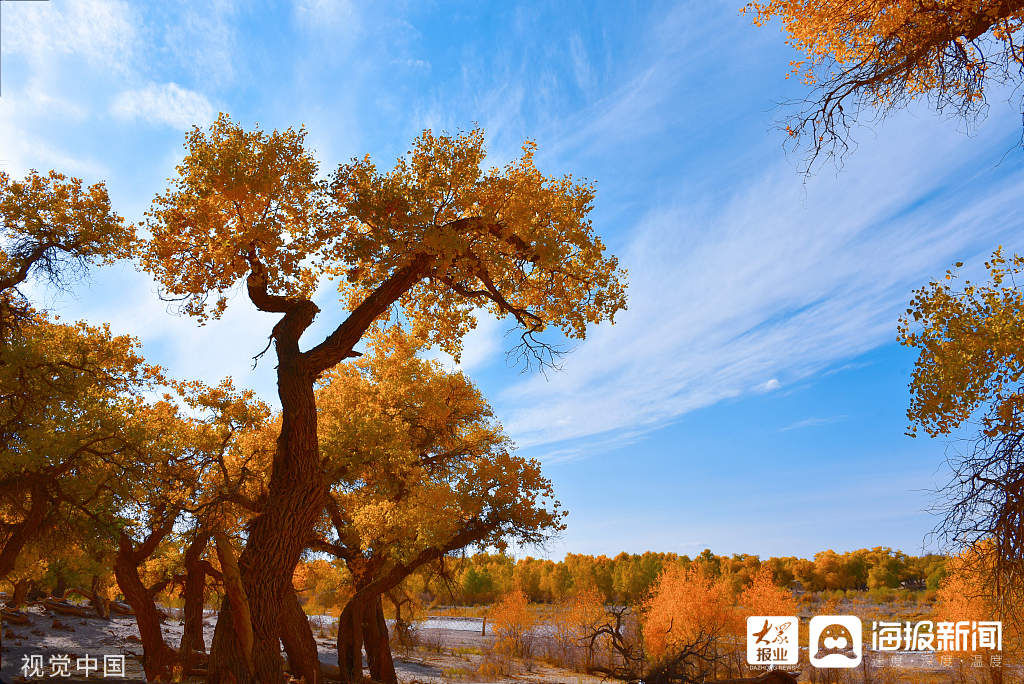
x,y
483,578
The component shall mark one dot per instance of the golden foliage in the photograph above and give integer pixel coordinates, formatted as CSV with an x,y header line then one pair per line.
x,y
907,41
416,459
511,621
969,593
763,597
50,222
512,240
685,605
238,195
880,55
970,350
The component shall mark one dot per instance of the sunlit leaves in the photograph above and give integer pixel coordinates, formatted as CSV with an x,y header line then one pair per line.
x,y
50,222
415,457
883,54
238,195
510,240
970,340
685,605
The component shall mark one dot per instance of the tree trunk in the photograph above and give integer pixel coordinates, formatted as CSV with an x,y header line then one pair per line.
x,y
19,595
237,599
62,588
24,531
157,658
278,535
378,645
303,659
99,599
350,642
192,612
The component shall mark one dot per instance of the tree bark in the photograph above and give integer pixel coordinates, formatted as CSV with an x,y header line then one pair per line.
x,y
26,529
303,659
157,657
192,612
296,492
237,597
378,645
62,587
19,594
277,537
99,599
350,642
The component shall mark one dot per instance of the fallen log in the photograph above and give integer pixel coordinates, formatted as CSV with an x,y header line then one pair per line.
x,y
121,608
65,608
15,617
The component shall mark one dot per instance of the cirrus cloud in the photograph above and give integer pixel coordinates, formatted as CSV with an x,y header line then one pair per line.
x,y
168,104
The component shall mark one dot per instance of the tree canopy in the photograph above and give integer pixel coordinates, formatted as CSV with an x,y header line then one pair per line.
x,y
880,55
438,235
969,342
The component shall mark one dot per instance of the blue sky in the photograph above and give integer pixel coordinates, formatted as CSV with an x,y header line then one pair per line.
x,y
751,400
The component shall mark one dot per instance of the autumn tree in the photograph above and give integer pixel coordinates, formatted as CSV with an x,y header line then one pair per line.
x,y
417,468
967,594
511,621
59,383
52,227
573,619
433,240
880,55
685,621
764,597
191,478
969,368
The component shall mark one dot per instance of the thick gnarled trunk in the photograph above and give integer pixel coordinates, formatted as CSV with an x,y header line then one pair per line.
x,y
350,642
303,659
99,598
20,594
297,491
195,597
277,538
378,644
158,659
362,624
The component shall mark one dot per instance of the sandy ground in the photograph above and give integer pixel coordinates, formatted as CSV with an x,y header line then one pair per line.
x,y
51,636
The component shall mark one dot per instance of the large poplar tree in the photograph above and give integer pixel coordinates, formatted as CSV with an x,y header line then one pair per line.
x,y
432,241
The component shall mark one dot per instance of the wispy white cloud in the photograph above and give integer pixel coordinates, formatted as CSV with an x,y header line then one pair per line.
x,y
582,69
812,422
201,36
775,279
327,15
166,103
98,31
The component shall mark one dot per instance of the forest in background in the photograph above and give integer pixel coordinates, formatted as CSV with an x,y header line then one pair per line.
x,y
484,578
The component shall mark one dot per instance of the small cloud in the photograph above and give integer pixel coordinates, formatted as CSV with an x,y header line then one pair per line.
x,y
327,14
811,422
167,103
769,386
413,63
